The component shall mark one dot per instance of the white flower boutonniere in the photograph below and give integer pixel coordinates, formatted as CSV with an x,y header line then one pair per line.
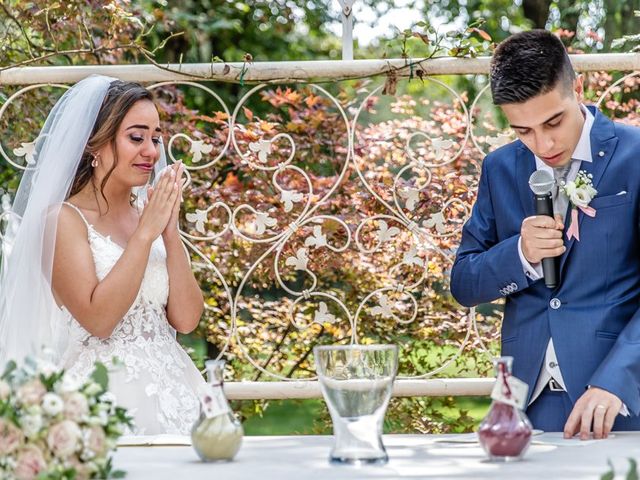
x,y
580,192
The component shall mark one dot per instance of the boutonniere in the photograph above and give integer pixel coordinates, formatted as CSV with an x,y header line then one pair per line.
x,y
580,192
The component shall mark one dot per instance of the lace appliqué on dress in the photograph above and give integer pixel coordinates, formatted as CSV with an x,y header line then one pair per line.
x,y
154,377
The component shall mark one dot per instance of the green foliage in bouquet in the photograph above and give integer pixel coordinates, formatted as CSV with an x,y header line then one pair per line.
x,y
53,427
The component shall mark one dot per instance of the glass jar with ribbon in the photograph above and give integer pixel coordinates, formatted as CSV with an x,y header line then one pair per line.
x,y
505,433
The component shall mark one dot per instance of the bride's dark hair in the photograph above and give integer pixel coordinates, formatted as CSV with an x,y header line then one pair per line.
x,y
121,96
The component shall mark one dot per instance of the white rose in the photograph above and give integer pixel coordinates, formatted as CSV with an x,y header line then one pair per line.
x,y
76,407
52,404
31,425
47,368
31,393
68,384
580,197
64,438
5,390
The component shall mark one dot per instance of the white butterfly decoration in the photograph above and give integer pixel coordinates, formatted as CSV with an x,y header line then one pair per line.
x,y
262,147
412,196
288,197
299,262
411,257
322,315
435,220
199,218
198,147
385,233
384,308
439,146
318,239
263,220
499,140
28,151
5,202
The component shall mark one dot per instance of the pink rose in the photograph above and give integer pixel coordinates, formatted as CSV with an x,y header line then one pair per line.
x,y
30,463
96,440
76,406
31,393
63,438
83,472
10,437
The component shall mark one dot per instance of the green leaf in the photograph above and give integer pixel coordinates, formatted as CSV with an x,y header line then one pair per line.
x,y
10,367
610,474
632,474
100,375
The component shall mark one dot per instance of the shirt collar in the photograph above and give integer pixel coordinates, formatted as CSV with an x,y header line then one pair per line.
x,y
583,148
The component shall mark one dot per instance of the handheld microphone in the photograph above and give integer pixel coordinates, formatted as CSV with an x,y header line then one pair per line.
x,y
542,184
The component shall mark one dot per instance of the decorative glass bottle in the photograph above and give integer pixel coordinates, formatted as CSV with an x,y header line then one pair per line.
x,y
505,433
217,434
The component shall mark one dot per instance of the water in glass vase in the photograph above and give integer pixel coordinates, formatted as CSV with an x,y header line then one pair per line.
x,y
357,409
356,382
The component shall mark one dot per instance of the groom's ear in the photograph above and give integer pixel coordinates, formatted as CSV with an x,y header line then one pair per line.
x,y
578,87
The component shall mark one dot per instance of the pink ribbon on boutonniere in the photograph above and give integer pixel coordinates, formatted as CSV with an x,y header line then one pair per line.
x,y
574,231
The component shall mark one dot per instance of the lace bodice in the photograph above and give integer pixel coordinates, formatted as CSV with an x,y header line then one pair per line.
x,y
153,376
155,284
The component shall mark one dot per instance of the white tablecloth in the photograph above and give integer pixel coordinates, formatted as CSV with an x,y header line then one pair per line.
x,y
411,456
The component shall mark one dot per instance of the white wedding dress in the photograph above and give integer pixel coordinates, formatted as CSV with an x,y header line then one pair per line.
x,y
157,381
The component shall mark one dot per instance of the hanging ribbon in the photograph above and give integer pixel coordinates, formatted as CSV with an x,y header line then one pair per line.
x,y
574,231
506,389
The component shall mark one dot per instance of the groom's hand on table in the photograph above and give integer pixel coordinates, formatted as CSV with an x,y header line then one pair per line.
x,y
596,406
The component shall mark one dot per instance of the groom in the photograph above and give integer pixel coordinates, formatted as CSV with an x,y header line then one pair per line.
x,y
577,345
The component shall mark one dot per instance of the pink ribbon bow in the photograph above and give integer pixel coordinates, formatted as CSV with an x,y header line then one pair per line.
x,y
574,230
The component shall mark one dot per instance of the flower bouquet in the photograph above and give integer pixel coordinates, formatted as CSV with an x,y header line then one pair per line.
x,y
54,428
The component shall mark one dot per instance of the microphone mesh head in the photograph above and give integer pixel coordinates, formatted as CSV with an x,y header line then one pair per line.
x,y
541,182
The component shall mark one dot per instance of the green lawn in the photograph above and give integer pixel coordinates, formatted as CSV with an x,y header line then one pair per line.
x,y
291,417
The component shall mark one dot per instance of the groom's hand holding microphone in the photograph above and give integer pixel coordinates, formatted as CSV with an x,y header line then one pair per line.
x,y
541,235
542,238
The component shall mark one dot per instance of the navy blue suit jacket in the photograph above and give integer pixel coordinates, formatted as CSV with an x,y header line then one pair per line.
x,y
596,327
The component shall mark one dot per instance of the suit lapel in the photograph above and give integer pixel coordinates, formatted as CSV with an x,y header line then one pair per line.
x,y
525,166
603,145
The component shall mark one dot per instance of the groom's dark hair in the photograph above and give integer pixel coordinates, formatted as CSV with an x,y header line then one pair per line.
x,y
529,64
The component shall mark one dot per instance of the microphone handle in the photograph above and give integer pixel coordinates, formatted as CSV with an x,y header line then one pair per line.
x,y
550,267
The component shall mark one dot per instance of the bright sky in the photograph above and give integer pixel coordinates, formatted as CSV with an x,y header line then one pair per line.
x,y
400,17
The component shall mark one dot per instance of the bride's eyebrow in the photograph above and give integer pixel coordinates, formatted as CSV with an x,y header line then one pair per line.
x,y
144,127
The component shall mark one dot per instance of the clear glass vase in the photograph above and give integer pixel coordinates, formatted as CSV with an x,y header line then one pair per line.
x,y
217,434
356,383
505,433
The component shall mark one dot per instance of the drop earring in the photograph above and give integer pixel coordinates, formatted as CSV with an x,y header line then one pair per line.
x,y
94,162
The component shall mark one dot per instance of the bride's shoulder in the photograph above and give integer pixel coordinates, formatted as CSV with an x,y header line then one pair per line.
x,y
71,217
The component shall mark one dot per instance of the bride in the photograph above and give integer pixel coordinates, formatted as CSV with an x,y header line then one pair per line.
x,y
89,275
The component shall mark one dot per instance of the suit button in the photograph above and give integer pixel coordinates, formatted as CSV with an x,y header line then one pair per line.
x,y
555,303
